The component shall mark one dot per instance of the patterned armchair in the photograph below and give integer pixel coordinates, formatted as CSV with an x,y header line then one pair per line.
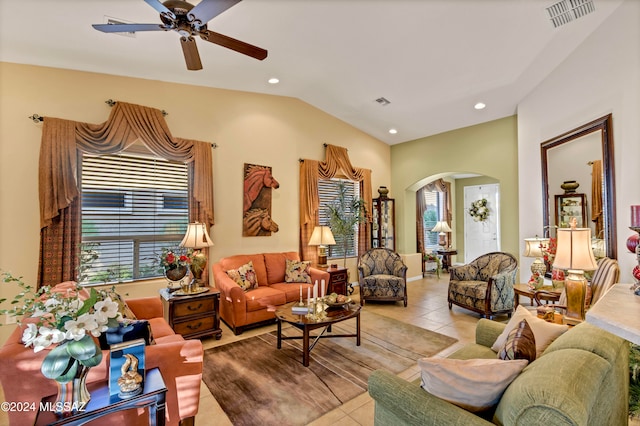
x,y
485,285
382,276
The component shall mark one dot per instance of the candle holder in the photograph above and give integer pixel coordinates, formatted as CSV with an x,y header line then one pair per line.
x,y
317,309
636,270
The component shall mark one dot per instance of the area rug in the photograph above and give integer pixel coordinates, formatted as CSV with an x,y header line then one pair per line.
x,y
255,383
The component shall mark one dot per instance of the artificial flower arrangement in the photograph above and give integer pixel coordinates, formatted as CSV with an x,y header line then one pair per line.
x,y
433,258
479,210
68,319
536,281
549,251
170,258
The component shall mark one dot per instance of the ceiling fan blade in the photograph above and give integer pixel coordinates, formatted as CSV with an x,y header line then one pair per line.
x,y
127,28
191,55
161,8
233,44
206,10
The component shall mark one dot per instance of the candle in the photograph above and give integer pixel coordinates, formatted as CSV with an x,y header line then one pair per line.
x,y
300,292
308,293
315,291
635,216
322,288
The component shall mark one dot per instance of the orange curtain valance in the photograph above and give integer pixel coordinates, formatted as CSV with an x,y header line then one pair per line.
x,y
61,139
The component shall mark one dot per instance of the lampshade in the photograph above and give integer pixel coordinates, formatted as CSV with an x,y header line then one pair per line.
x,y
321,236
196,236
574,249
441,227
534,246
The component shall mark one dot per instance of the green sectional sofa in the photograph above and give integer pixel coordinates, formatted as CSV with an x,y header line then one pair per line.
x,y
582,378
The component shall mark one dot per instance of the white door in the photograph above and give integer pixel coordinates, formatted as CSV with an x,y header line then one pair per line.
x,y
481,237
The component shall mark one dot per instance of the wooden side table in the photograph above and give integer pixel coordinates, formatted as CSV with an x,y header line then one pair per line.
x,y
337,280
524,290
194,315
446,257
100,404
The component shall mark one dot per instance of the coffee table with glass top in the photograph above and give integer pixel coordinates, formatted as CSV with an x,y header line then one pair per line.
x,y
306,325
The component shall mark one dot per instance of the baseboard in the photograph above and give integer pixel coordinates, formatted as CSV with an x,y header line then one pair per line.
x,y
416,278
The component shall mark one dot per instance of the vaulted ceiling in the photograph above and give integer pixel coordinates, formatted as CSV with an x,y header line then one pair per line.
x,y
432,59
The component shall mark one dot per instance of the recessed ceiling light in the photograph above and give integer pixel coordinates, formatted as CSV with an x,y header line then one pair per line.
x,y
479,105
393,131
273,80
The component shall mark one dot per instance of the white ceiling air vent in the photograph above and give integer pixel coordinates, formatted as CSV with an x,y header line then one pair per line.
x,y
113,21
565,11
383,101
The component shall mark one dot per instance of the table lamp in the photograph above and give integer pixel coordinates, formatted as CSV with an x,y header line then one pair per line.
x,y
197,238
321,237
534,248
442,227
574,254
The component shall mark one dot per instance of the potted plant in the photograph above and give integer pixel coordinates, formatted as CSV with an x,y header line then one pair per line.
x,y
431,259
345,212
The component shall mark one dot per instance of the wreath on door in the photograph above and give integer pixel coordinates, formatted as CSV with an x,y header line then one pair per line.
x,y
479,210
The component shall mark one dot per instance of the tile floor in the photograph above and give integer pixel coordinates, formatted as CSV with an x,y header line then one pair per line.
x,y
427,308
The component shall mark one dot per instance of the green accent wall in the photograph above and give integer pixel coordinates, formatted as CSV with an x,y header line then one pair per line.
x,y
489,149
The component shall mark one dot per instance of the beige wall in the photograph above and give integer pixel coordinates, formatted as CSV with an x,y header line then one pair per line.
x,y
248,127
488,149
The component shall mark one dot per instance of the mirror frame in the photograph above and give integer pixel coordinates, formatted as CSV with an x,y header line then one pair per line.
x,y
604,125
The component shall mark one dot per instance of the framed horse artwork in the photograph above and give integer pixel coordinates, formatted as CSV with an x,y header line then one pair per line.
x,y
258,184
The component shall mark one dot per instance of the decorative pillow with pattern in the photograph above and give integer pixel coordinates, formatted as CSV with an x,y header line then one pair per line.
x,y
123,308
473,384
245,276
297,271
520,344
544,332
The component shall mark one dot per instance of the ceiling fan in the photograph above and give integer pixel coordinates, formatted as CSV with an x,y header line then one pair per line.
x,y
189,21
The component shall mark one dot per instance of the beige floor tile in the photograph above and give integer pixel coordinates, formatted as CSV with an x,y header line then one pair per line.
x,y
364,415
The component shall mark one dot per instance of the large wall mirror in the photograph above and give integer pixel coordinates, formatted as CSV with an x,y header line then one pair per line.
x,y
571,157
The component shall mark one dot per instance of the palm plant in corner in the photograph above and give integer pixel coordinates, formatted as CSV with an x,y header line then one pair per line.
x,y
345,212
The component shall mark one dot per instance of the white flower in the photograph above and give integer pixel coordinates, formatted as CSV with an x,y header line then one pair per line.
x,y
106,309
76,329
29,335
47,337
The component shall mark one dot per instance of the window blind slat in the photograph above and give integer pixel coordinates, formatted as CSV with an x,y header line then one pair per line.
x,y
133,206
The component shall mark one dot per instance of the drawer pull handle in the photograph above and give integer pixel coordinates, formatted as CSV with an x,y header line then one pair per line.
x,y
191,308
194,327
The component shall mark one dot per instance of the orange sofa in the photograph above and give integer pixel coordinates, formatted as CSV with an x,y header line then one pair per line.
x,y
179,361
240,309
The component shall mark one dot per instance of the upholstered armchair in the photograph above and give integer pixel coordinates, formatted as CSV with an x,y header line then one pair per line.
x,y
382,275
485,285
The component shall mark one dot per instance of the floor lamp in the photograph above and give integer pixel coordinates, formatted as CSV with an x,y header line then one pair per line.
x,y
574,254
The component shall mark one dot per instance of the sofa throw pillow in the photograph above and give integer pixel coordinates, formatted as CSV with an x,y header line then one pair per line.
x,y
245,276
123,308
520,344
544,332
473,384
297,271
126,331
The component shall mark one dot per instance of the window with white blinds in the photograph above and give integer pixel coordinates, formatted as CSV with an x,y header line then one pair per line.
x,y
133,205
328,190
433,213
